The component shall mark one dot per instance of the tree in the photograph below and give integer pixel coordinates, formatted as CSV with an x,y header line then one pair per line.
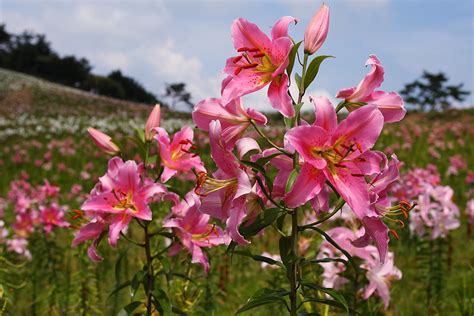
x,y
432,91
177,93
104,86
133,90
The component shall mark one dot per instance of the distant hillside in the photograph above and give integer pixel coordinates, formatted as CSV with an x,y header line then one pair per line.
x,y
21,93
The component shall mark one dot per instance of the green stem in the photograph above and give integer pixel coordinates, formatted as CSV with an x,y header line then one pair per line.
x,y
301,89
339,205
283,151
4,307
303,74
149,263
147,149
430,277
293,273
162,252
132,241
268,195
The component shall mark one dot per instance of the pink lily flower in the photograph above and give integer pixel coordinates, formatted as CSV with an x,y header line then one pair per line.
x,y
124,194
389,103
378,188
194,230
380,275
341,155
92,231
234,118
436,213
20,246
261,61
224,196
25,223
52,216
176,155
152,122
103,141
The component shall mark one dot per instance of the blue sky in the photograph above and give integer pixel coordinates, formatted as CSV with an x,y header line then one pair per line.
x,y
171,41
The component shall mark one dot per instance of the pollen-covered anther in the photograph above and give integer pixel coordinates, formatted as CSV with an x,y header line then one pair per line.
x,y
338,152
186,142
206,185
252,65
403,208
259,55
254,50
243,49
78,213
237,59
394,233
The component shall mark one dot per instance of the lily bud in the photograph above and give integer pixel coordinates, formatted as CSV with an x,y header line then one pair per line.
x,y
317,30
152,122
103,141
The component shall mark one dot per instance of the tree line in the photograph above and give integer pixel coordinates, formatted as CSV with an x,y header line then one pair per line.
x,y
31,53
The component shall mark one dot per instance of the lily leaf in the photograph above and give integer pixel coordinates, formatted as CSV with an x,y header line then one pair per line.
x,y
264,296
338,297
292,57
313,69
264,219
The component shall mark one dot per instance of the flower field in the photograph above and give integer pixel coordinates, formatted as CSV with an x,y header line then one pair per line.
x,y
109,207
59,279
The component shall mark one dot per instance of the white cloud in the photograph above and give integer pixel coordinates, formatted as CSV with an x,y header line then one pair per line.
x,y
113,60
168,41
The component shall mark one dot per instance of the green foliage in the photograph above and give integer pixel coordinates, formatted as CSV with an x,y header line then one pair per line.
x,y
263,297
264,219
313,69
292,57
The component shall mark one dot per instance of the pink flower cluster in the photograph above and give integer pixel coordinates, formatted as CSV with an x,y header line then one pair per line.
x,y
127,192
456,164
435,214
338,153
193,228
35,208
379,274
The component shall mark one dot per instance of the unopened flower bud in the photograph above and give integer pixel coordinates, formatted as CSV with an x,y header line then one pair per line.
x,y
317,30
103,141
152,122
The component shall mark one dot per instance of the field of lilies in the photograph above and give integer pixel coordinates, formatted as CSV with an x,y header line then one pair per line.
x,y
355,208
